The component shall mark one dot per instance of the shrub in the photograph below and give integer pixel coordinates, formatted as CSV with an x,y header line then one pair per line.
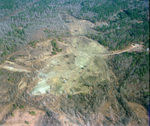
x,y
21,106
14,106
26,122
32,113
54,52
55,47
12,114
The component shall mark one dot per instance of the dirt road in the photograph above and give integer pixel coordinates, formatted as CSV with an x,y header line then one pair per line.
x,y
132,48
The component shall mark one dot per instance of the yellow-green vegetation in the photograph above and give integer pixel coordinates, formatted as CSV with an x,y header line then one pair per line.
x,y
32,113
26,122
55,47
12,114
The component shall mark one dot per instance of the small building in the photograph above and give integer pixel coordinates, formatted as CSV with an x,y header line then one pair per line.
x,y
133,45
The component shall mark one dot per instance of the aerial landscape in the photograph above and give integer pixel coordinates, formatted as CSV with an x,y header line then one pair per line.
x,y
74,63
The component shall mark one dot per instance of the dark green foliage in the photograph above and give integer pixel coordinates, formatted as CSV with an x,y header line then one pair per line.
x,y
17,32
14,106
70,96
32,113
98,38
105,9
55,47
54,43
12,58
135,14
21,106
33,44
26,122
7,4
54,52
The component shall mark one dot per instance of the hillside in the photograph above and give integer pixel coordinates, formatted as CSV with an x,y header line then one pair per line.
x,y
74,63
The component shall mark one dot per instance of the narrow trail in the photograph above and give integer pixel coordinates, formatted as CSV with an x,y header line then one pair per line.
x,y
137,48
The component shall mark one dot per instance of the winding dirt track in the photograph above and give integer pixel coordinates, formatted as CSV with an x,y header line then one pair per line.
x,y
136,48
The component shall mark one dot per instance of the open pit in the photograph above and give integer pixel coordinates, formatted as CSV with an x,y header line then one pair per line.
x,y
67,71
